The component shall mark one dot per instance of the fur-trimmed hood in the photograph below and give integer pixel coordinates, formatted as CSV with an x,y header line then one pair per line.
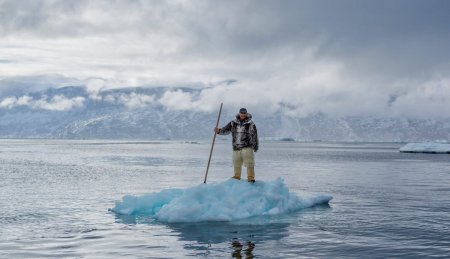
x,y
248,119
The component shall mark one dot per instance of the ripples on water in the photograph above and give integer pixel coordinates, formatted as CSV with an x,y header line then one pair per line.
x,y
55,196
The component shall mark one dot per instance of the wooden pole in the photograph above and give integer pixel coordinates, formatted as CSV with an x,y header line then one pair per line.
x,y
214,140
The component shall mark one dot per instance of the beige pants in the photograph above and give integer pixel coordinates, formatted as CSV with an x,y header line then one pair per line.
x,y
244,157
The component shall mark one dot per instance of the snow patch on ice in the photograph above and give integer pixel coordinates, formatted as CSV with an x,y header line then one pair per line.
x,y
224,201
427,147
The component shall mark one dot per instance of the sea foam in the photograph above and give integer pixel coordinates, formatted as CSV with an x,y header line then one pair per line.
x,y
223,201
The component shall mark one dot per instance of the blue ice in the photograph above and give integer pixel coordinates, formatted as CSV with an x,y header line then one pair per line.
x,y
224,201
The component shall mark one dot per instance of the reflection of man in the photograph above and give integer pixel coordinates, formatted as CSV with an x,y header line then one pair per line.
x,y
237,249
245,142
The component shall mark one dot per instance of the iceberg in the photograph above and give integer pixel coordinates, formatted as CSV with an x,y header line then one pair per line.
x,y
426,147
224,201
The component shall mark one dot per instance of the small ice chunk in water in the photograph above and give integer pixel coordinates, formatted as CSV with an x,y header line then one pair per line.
x,y
426,147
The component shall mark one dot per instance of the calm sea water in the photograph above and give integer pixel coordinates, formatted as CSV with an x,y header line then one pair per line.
x,y
55,196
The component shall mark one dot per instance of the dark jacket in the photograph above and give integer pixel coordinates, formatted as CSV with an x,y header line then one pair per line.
x,y
244,133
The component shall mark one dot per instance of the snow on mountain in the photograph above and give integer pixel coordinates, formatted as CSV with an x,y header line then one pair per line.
x,y
135,113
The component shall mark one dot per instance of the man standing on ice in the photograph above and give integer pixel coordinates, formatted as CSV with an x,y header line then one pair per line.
x,y
245,142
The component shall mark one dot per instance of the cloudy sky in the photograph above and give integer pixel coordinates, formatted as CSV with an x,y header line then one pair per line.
x,y
341,58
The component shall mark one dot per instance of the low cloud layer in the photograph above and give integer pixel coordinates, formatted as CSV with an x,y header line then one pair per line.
x,y
425,100
55,103
131,100
341,58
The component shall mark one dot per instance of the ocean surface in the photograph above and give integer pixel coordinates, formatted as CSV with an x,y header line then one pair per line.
x,y
56,198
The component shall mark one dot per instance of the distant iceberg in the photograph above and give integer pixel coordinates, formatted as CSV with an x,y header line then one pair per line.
x,y
224,201
426,147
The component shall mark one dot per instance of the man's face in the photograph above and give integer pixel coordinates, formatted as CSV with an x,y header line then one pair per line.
x,y
242,116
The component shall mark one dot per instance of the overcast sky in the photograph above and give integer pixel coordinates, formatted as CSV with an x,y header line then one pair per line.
x,y
365,58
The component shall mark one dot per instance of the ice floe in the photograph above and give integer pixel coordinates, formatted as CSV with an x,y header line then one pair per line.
x,y
224,201
426,147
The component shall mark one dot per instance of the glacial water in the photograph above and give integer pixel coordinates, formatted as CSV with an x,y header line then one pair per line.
x,y
57,197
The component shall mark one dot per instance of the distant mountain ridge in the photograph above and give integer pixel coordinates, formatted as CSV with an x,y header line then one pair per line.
x,y
73,112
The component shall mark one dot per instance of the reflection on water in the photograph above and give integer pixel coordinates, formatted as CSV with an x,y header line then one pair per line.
x,y
241,238
219,232
240,249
